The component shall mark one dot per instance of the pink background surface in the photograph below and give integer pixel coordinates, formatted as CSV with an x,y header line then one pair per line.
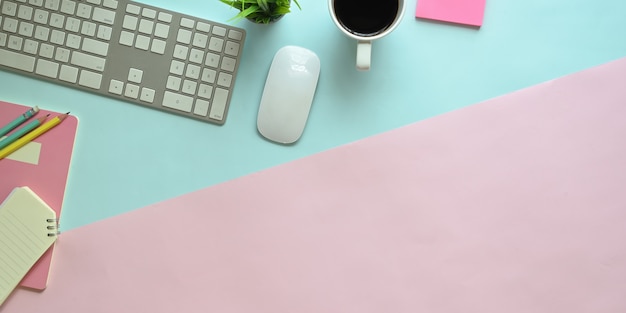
x,y
47,179
469,12
512,205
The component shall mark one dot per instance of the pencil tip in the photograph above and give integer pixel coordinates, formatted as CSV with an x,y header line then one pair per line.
x,y
67,113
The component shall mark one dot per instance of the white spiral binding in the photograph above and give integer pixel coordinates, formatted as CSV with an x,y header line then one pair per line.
x,y
54,227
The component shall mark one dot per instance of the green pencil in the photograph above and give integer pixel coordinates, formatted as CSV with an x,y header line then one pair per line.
x,y
22,131
19,120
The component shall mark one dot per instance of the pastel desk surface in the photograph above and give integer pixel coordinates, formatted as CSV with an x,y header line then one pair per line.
x,y
127,157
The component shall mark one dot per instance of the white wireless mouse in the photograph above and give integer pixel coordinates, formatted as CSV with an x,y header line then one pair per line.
x,y
288,94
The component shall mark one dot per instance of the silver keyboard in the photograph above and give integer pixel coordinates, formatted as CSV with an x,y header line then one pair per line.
x,y
125,50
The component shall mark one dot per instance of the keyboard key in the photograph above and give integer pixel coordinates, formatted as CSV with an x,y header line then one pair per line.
x,y
142,42
88,29
127,38
135,75
9,9
219,104
201,108
10,25
193,71
203,27
228,64
212,60
41,16
147,95
180,52
25,12
84,10
104,32
57,37
216,44
177,101
47,68
103,16
130,22
173,83
68,74
131,91
116,87
57,20
146,26
234,34
95,47
196,56
185,22
205,91
224,79
200,40
158,46
62,55
41,33
161,30
26,29
15,43
149,13
133,9
73,41
220,31
177,67
68,7
232,48
88,61
30,46
165,17
90,79
17,61
184,36
46,50
189,87
111,4
52,4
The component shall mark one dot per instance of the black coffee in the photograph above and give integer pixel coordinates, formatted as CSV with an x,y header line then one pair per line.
x,y
366,17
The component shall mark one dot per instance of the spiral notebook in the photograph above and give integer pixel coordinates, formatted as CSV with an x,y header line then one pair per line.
x,y
42,165
28,227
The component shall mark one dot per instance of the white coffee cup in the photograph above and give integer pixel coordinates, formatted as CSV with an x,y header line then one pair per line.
x,y
366,21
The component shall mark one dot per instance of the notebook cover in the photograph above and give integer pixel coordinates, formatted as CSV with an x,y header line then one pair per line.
x,y
468,12
47,178
513,205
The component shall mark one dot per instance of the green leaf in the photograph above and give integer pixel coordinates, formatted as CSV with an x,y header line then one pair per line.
x,y
264,6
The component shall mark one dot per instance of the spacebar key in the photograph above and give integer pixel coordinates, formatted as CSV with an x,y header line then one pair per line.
x,y
17,61
177,101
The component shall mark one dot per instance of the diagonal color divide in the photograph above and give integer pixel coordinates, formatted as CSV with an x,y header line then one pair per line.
x,y
512,205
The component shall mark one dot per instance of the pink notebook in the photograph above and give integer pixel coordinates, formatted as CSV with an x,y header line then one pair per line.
x,y
43,166
513,205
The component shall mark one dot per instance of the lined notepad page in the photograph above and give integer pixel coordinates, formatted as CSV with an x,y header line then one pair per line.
x,y
27,230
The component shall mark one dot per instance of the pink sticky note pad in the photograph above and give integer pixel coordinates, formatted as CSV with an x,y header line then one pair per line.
x,y
468,12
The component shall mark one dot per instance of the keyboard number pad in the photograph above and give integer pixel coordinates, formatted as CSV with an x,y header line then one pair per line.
x,y
201,73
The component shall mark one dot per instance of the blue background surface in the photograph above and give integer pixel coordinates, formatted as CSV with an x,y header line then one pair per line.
x,y
127,157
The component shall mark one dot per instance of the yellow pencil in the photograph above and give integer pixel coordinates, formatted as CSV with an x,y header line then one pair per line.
x,y
32,135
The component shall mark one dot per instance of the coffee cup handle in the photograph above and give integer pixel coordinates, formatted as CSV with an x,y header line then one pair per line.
x,y
363,55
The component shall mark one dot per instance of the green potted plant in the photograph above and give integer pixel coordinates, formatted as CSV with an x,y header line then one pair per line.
x,y
261,11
